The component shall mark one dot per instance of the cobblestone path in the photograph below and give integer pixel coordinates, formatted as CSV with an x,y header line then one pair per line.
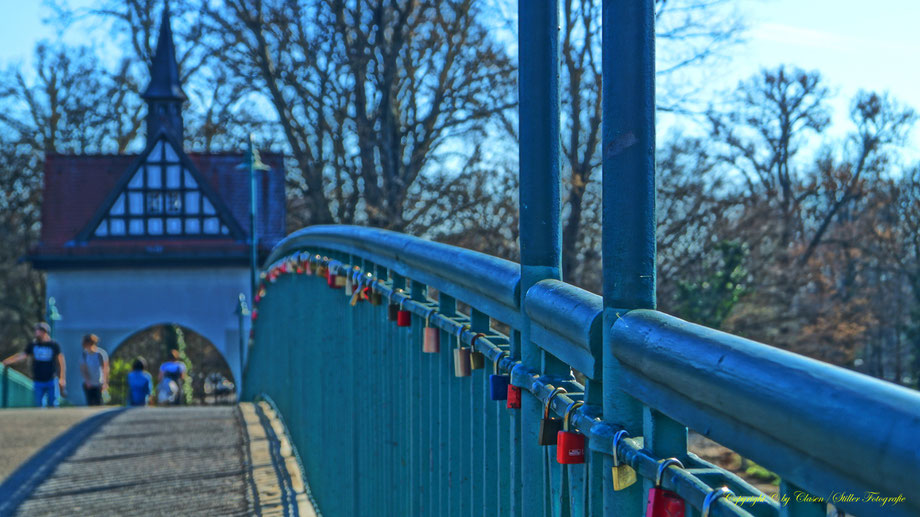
x,y
158,461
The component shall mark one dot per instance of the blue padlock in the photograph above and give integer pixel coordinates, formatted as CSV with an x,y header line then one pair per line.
x,y
498,384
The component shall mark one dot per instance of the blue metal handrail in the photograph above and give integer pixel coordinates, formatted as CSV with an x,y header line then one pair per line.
x,y
850,434
15,388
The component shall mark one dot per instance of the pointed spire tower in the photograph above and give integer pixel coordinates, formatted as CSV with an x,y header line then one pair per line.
x,y
164,94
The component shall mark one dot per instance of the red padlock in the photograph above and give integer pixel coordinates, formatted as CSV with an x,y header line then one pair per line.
x,y
570,445
661,502
330,279
514,397
403,318
254,314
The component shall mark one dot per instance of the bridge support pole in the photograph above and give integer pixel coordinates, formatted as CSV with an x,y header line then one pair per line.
x,y
629,221
540,230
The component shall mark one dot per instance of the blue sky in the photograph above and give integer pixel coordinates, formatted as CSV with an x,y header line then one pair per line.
x,y
853,44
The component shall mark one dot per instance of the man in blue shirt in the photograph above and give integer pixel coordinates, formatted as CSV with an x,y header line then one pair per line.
x,y
44,353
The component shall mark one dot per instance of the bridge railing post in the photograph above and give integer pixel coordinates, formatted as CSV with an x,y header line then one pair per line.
x,y
629,241
540,229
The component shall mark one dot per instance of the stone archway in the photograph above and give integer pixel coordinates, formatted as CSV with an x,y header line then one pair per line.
x,y
117,303
208,365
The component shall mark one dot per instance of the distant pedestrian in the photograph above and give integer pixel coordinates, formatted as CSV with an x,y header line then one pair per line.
x,y
94,366
172,373
44,352
140,383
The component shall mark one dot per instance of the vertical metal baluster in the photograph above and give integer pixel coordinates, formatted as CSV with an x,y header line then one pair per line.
x,y
418,407
594,395
516,462
479,322
451,435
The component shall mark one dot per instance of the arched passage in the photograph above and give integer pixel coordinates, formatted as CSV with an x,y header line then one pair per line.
x,y
211,378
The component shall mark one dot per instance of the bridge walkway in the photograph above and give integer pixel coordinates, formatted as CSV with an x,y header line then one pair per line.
x,y
230,460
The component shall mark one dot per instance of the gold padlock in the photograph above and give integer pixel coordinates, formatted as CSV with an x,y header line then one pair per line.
x,y
461,356
623,475
477,359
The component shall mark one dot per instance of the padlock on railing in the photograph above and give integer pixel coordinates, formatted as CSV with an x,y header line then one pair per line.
x,y
717,493
514,397
403,317
549,426
341,278
498,384
477,359
461,356
330,278
570,445
623,475
375,297
431,344
392,307
349,284
661,502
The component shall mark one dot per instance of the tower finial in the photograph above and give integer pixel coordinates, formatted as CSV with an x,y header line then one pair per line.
x,y
164,94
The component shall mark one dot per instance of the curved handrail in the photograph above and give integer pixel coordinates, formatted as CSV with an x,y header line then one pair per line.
x,y
475,278
15,388
817,424
821,427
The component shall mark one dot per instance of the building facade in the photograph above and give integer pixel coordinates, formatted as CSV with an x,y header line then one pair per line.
x,y
161,237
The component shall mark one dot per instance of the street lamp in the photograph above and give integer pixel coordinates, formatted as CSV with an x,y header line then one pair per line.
x,y
254,163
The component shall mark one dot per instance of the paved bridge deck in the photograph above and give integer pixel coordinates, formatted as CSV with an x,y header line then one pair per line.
x,y
156,461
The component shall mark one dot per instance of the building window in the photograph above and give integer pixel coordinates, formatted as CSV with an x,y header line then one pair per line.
x,y
154,203
162,198
173,203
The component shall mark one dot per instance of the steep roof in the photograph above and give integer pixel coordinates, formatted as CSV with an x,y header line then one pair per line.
x,y
77,186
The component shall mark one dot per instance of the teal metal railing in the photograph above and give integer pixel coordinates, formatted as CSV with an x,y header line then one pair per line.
x,y
386,429
15,389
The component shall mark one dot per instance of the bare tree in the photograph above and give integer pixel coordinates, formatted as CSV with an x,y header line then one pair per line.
x,y
690,34
370,96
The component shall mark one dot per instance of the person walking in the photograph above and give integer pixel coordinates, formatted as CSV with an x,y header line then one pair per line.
x,y
94,366
140,383
44,352
172,372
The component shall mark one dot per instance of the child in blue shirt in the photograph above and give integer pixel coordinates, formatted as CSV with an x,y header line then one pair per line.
x,y
140,384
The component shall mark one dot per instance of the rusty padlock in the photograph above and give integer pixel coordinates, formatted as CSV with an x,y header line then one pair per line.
x,y
514,397
498,384
549,426
403,317
431,343
623,475
376,297
477,359
570,445
461,356
661,502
